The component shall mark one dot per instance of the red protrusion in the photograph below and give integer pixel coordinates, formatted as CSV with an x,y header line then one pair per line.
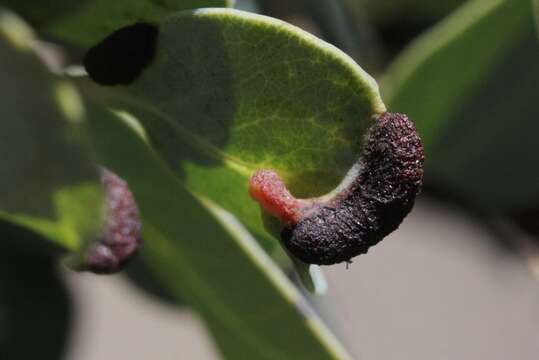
x,y
266,187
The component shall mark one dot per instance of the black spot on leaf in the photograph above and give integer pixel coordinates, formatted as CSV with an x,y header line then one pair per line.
x,y
122,56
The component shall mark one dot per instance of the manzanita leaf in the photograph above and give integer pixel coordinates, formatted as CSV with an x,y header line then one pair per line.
x,y
85,22
47,182
263,94
145,280
201,253
470,84
35,306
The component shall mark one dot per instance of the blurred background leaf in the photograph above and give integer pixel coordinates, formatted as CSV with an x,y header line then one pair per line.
x,y
47,181
407,11
35,308
85,22
398,22
469,83
202,254
324,18
142,276
247,5
535,4
265,94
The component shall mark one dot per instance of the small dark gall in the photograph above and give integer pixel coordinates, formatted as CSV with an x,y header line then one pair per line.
x,y
121,234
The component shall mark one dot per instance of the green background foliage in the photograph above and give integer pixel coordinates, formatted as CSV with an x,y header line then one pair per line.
x,y
473,102
229,92
86,22
40,136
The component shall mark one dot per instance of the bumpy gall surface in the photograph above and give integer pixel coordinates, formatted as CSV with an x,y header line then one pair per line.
x,y
368,209
120,237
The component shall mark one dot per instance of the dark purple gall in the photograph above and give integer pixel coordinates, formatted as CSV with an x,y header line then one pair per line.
x,y
121,234
371,205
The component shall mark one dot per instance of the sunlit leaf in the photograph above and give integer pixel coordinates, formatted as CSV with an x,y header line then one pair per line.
x,y
202,254
264,94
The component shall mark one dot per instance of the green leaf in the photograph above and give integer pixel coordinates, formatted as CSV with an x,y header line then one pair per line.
x,y
86,22
40,13
202,254
144,279
47,182
535,5
469,84
34,304
263,94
